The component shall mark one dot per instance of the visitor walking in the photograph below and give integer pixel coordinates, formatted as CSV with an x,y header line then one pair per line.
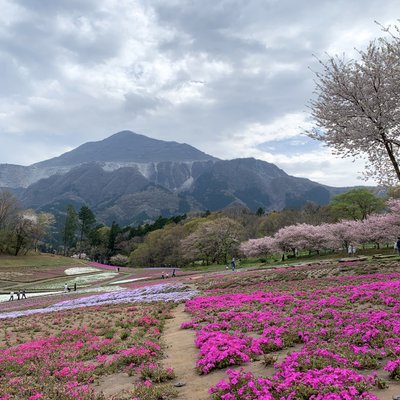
x,y
233,265
173,273
11,296
23,294
398,246
65,288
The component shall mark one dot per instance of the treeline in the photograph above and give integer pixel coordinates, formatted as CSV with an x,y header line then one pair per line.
x,y
205,237
84,237
197,237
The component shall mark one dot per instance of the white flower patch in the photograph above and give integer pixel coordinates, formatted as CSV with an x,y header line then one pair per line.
x,y
129,280
80,270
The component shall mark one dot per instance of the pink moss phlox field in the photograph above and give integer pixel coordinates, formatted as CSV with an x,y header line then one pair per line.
x,y
104,266
352,326
65,366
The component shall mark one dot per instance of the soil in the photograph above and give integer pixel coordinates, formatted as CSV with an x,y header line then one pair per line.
x,y
181,354
114,384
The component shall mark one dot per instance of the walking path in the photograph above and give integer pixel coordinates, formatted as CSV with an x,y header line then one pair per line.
x,y
181,354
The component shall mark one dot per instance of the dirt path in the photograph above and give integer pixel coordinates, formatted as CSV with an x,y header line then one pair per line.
x,y
181,354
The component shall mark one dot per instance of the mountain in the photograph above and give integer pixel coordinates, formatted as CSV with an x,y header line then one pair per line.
x,y
130,178
123,149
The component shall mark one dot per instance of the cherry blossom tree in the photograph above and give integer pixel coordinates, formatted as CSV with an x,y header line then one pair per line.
x,y
288,239
357,107
344,233
258,247
379,229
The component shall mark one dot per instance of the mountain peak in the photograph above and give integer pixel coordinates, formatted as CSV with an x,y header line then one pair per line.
x,y
127,146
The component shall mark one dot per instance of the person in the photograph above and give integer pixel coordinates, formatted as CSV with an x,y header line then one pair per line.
x,y
166,275
233,265
398,245
23,294
65,288
351,250
11,296
18,294
173,273
75,287
163,275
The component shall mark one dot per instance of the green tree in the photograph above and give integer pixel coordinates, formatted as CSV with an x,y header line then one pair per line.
x,y
356,204
112,236
98,243
70,228
260,211
160,247
87,220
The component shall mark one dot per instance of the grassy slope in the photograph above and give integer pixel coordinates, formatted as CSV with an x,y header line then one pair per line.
x,y
37,260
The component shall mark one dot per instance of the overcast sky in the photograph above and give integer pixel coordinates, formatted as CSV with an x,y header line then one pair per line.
x,y
231,78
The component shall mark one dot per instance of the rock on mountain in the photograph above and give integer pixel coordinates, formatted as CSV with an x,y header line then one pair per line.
x,y
130,178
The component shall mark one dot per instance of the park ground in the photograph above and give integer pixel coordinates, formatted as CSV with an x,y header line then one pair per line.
x,y
43,278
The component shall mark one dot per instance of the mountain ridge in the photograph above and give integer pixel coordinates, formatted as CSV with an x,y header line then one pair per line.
x,y
129,178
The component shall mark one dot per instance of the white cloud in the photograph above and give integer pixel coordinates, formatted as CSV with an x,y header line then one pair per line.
x,y
224,79
243,143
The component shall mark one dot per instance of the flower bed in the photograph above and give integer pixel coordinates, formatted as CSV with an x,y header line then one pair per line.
x,y
348,328
70,351
160,292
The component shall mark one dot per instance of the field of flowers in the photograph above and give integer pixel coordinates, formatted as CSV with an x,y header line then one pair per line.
x,y
326,330
346,330
64,354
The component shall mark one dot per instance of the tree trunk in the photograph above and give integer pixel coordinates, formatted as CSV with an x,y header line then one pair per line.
x,y
18,244
393,160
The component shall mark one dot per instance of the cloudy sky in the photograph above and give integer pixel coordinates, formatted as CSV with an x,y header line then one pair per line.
x,y
232,78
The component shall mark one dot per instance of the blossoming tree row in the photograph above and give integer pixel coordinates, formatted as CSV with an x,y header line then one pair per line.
x,y
377,228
